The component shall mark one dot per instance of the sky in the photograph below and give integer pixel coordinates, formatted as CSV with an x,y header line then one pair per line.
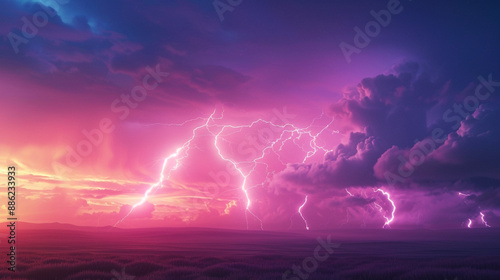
x,y
274,115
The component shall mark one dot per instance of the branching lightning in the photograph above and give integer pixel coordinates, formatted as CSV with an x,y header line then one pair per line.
x,y
289,132
388,220
178,156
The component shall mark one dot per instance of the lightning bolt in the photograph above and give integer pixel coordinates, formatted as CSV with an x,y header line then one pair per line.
x,y
294,132
480,213
388,221
245,177
347,210
301,215
483,220
180,154
349,192
289,133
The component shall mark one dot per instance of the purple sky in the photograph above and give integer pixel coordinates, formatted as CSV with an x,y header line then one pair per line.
x,y
381,119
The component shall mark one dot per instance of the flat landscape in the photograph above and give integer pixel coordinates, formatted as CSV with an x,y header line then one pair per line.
x,y
58,251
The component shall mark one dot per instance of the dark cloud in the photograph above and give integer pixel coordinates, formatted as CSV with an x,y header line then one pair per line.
x,y
469,153
350,165
397,138
390,111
